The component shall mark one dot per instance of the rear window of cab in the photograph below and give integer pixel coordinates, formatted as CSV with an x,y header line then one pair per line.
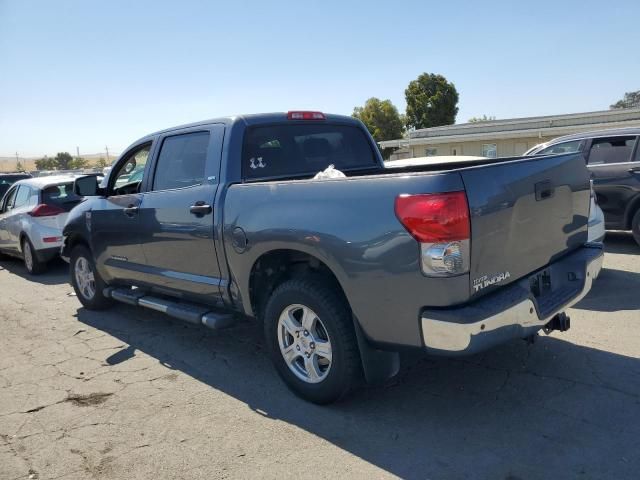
x,y
298,150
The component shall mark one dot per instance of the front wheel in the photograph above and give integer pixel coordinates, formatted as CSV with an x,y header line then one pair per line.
x,y
86,281
310,335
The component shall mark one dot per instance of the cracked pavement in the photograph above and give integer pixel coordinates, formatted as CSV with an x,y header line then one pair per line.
x,y
129,393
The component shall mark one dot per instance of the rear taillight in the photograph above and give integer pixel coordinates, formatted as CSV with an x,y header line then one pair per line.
x,y
51,239
300,115
44,210
440,222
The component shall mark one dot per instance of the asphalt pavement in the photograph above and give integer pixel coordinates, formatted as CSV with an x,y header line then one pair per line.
x,y
129,393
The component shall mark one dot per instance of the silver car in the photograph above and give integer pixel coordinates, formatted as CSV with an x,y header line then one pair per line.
x,y
32,214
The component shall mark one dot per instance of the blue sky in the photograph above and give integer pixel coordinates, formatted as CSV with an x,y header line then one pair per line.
x,y
96,73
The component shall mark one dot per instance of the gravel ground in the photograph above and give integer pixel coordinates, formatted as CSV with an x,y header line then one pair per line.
x,y
131,394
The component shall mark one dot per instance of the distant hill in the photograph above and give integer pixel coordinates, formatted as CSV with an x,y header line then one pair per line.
x,y
8,164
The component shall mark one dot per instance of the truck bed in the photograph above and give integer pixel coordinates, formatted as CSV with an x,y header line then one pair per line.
x,y
524,214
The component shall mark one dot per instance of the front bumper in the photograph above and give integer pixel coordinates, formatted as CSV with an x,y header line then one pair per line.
x,y
513,311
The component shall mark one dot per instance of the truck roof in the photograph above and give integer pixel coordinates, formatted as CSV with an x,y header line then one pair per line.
x,y
250,119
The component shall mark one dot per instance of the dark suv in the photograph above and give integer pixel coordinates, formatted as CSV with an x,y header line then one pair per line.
x,y
613,157
8,179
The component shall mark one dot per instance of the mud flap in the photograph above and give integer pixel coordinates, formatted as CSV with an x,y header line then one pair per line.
x,y
378,365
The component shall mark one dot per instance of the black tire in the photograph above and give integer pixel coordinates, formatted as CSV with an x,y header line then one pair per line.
x,y
30,258
321,297
97,301
635,226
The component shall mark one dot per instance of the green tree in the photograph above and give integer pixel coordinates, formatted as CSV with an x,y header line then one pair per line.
x,y
432,101
101,163
78,162
630,100
382,120
63,161
483,118
46,163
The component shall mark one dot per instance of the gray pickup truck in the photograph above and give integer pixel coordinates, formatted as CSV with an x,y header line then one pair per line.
x,y
221,219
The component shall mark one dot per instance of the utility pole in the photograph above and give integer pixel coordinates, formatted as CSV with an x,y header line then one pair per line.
x,y
107,150
77,152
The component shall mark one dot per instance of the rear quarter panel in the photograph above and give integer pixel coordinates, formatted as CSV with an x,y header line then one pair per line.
x,y
350,225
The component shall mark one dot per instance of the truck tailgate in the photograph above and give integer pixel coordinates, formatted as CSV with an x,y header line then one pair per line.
x,y
524,215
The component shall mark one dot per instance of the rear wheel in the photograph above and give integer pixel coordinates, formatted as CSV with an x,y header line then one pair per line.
x,y
635,226
310,335
86,281
31,262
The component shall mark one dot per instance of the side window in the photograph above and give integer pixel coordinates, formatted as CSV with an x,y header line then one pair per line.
x,y
611,150
182,161
130,172
8,200
565,147
34,199
22,198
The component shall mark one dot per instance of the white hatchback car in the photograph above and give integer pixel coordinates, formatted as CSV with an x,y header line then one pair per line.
x,y
32,214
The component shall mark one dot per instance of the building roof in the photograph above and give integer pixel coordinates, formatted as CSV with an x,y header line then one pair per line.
x,y
546,126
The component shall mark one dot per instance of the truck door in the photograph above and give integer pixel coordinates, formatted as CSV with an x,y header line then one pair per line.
x,y
115,225
176,213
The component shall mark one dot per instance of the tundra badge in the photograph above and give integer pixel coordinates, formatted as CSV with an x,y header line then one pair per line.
x,y
486,280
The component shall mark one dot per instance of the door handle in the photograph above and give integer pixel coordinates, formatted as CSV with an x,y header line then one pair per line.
x,y
634,170
131,210
200,209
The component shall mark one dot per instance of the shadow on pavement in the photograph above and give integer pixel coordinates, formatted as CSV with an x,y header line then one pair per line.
x,y
57,271
621,242
548,410
615,289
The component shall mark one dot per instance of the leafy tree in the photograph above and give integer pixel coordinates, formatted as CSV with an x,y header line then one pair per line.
x,y
630,100
63,161
382,120
101,163
432,101
78,162
483,118
46,163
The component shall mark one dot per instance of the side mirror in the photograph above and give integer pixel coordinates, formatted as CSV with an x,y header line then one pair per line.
x,y
87,186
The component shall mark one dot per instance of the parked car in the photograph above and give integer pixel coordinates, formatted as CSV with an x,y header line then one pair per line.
x,y
32,214
343,273
613,157
8,179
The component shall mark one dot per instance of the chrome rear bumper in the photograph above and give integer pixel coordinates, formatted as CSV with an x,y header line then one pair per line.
x,y
512,313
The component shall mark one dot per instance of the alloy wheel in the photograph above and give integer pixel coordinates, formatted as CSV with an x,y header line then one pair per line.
x,y
304,343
